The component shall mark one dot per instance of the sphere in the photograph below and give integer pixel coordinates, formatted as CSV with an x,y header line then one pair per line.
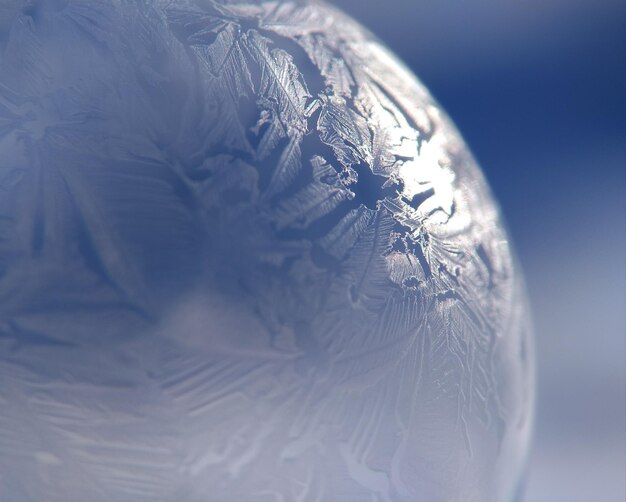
x,y
244,256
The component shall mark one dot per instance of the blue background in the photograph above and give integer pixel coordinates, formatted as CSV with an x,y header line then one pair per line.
x,y
538,89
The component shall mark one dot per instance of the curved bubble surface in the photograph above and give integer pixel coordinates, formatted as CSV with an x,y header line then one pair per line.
x,y
244,256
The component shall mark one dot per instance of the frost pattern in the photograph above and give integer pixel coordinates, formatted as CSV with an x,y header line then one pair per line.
x,y
244,256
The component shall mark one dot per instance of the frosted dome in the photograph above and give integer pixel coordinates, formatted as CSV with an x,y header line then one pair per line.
x,y
244,257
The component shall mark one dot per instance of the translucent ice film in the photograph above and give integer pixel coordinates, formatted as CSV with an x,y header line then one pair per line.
x,y
245,257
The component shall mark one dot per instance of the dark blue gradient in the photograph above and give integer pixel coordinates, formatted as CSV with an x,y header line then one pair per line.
x,y
538,90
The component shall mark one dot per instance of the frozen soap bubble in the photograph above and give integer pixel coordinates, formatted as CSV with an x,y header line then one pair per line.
x,y
244,257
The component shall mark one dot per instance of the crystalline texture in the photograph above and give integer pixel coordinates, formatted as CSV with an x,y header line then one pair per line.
x,y
244,257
